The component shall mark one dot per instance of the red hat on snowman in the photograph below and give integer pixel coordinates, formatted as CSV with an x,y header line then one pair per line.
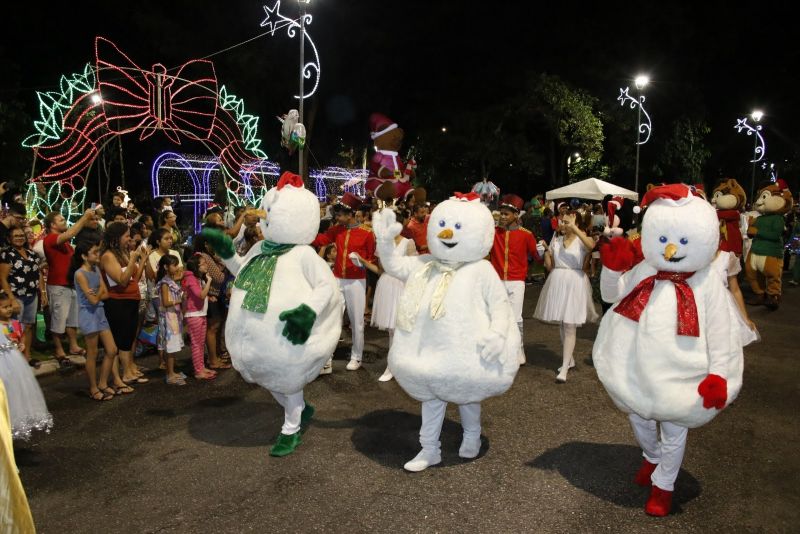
x,y
379,124
673,194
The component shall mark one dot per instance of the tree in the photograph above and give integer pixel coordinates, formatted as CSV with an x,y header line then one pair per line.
x,y
685,154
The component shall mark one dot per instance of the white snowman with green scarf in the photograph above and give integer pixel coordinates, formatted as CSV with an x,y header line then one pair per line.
x,y
285,312
455,339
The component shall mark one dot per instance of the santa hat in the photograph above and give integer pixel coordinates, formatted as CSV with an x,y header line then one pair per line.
x,y
512,201
466,197
379,124
613,205
782,184
673,195
350,201
288,178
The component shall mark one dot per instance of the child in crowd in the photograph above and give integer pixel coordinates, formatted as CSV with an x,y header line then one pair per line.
x,y
170,317
195,315
91,291
27,408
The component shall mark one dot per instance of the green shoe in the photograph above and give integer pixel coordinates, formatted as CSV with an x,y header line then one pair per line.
x,y
286,444
308,413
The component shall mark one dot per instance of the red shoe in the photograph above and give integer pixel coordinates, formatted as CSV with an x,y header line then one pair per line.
x,y
660,502
642,478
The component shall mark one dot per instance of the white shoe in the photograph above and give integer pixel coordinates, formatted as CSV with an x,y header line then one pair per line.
x,y
353,365
328,368
386,376
522,359
470,447
562,377
422,461
571,366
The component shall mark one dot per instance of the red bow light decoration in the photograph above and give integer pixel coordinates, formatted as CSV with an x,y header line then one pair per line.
x,y
466,197
185,101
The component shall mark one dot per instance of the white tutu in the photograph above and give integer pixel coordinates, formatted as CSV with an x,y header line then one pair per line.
x,y
25,400
567,294
388,290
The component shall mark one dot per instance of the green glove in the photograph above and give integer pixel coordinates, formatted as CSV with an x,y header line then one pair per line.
x,y
298,323
220,242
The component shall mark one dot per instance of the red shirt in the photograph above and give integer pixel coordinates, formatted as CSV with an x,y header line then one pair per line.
x,y
510,251
348,240
418,231
58,258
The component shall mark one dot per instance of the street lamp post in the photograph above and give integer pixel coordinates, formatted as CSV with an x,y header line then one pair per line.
x,y
301,150
641,127
756,117
759,146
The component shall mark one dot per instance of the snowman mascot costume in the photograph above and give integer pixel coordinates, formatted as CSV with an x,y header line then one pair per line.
x,y
669,352
456,339
285,312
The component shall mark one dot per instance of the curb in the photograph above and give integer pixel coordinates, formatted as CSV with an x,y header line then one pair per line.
x,y
51,367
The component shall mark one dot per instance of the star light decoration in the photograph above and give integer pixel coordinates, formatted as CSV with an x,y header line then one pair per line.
x,y
274,21
646,126
761,147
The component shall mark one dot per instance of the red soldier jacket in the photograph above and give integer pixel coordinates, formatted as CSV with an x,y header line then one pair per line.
x,y
348,240
510,252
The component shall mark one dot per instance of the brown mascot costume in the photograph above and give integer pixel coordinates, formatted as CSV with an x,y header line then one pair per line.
x,y
764,263
389,176
730,199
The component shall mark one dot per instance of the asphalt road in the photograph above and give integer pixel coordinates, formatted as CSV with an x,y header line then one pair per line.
x,y
555,458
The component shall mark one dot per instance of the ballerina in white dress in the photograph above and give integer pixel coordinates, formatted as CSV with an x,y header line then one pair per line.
x,y
566,298
25,400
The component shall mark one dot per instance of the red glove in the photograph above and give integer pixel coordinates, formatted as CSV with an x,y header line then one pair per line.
x,y
618,254
714,390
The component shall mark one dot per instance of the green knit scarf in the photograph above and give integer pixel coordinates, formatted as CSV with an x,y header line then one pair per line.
x,y
256,277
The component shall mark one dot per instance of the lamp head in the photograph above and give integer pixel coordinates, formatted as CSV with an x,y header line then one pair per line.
x,y
757,114
641,81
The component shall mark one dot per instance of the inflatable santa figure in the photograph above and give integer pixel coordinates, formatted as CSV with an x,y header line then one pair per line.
x,y
669,352
285,313
455,338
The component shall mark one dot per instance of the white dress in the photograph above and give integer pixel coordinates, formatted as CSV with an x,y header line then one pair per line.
x,y
25,400
567,294
388,290
727,264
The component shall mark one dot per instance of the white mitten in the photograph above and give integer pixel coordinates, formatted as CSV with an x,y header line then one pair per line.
x,y
491,345
385,225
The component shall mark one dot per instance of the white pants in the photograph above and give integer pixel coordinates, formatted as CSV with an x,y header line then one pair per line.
x,y
292,409
667,452
433,417
355,299
516,295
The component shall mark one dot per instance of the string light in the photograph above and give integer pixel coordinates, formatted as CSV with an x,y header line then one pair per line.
x,y
312,68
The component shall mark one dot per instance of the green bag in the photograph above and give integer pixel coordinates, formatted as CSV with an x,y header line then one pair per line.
x,y
41,328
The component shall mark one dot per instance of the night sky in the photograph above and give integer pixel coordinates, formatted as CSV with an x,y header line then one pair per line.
x,y
425,63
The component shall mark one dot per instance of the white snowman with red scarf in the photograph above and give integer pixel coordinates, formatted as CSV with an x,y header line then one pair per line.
x,y
669,351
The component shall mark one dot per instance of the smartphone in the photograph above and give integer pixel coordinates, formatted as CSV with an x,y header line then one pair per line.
x,y
94,205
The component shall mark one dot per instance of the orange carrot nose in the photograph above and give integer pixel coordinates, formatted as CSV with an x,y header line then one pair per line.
x,y
447,233
670,251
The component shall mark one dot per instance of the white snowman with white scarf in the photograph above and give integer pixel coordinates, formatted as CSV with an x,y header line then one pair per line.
x,y
455,338
285,312
669,352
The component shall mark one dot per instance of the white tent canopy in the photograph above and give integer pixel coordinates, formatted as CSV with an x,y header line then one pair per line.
x,y
591,189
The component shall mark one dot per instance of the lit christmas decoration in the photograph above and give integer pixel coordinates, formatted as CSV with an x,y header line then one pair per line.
x,y
275,20
645,127
760,146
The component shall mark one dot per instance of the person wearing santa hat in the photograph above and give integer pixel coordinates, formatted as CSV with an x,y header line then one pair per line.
x,y
351,241
513,246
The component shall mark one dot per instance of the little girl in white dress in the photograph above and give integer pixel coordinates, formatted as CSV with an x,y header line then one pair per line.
x,y
566,298
728,266
25,400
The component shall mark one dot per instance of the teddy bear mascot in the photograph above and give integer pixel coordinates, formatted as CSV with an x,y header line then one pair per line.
x,y
285,312
730,199
455,338
669,352
764,264
389,176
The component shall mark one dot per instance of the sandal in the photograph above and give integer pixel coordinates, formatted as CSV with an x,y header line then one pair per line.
x,y
34,363
123,390
222,365
100,396
107,390
178,381
79,352
205,376
137,380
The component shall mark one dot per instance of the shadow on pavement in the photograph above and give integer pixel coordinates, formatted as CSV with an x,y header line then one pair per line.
x,y
606,471
227,422
391,438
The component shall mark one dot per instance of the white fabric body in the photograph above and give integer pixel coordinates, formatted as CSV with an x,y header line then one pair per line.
x,y
516,297
665,449
292,409
388,290
567,293
26,404
259,350
647,368
433,412
727,264
355,301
